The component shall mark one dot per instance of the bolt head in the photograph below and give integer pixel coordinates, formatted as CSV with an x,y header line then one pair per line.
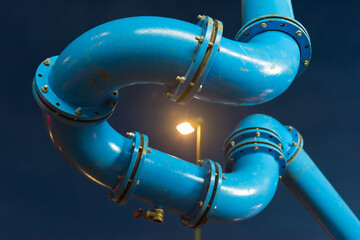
x,y
200,39
199,89
78,111
47,62
45,88
180,79
298,33
290,128
232,143
223,177
256,148
294,143
201,17
263,25
257,134
281,157
200,203
305,63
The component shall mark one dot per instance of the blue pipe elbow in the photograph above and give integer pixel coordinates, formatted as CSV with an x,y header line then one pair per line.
x,y
78,91
94,148
189,60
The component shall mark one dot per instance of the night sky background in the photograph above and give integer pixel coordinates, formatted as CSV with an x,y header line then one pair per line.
x,y
43,197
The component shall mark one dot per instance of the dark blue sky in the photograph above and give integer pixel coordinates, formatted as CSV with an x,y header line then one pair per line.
x,y
42,197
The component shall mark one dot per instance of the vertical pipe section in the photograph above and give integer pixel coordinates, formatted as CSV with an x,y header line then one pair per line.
x,y
251,9
318,196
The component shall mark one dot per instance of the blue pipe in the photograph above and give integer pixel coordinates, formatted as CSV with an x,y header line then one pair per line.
x,y
315,192
254,9
78,92
155,50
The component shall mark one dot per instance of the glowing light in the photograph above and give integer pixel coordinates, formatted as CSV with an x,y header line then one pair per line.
x,y
185,128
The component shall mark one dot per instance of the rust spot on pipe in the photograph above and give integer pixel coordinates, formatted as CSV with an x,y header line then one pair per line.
x,y
244,69
104,75
93,81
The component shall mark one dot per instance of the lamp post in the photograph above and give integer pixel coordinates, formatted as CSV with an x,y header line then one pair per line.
x,y
187,128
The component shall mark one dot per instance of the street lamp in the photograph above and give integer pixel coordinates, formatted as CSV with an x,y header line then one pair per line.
x,y
187,128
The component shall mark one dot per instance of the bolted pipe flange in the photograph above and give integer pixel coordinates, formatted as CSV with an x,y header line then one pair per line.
x,y
282,24
250,140
191,82
210,193
49,101
128,182
293,147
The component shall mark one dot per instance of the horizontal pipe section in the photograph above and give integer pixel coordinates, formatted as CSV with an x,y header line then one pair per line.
x,y
157,50
319,197
171,182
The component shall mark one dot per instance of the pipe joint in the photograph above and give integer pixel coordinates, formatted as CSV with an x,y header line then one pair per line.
x,y
282,24
44,92
191,82
250,140
206,206
128,182
292,148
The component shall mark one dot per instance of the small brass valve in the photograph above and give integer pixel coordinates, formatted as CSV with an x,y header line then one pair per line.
x,y
157,215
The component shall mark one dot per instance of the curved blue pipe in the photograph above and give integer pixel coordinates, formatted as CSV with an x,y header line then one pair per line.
x,y
156,50
248,189
94,148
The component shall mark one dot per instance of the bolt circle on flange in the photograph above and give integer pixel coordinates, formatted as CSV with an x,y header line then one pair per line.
x,y
282,24
45,96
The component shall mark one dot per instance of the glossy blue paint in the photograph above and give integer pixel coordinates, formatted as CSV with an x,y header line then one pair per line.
x,y
253,9
157,50
318,196
249,187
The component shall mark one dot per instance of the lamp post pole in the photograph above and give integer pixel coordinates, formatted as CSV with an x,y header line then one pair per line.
x,y
199,122
187,128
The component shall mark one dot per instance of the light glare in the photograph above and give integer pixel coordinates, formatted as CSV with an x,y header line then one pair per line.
x,y
185,128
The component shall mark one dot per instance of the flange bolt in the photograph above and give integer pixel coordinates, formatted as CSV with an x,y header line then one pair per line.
x,y
45,88
78,111
47,62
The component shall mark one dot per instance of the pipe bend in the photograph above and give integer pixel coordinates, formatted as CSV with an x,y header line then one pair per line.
x,y
248,189
254,72
156,50
120,53
95,149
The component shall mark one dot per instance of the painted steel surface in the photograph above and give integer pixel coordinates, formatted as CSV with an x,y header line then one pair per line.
x,y
319,197
78,91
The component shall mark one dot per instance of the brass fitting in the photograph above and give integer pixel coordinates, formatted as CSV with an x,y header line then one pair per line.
x,y
157,215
